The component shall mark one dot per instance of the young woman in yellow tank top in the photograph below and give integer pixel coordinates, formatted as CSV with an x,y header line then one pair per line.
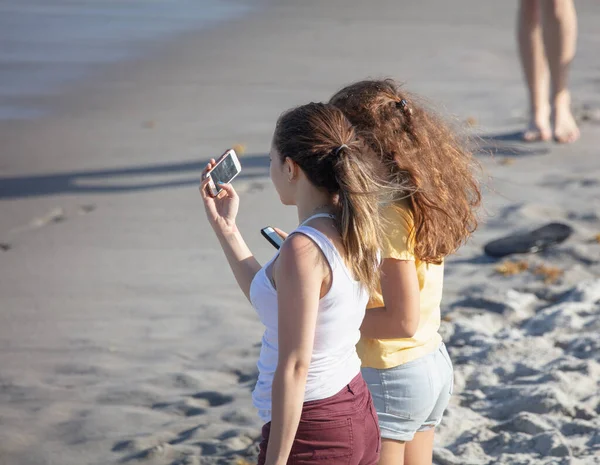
x,y
405,362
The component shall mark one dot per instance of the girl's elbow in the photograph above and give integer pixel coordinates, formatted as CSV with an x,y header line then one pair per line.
x,y
414,318
412,325
300,369
296,369
410,329
407,325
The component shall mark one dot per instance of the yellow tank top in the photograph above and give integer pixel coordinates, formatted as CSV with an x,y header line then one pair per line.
x,y
399,245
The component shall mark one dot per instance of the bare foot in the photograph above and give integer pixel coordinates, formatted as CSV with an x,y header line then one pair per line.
x,y
539,126
535,133
565,127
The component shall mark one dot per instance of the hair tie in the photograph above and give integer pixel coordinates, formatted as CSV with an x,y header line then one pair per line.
x,y
337,151
403,105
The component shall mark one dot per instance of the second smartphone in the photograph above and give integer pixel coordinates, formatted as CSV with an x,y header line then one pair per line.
x,y
270,235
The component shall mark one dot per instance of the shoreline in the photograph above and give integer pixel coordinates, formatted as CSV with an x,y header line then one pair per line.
x,y
51,50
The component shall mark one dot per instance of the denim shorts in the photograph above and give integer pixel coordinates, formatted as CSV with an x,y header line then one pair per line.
x,y
411,397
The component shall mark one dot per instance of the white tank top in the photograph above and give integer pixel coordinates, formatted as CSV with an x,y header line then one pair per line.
x,y
334,361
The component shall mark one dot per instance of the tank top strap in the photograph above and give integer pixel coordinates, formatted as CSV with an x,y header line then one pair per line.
x,y
317,215
329,250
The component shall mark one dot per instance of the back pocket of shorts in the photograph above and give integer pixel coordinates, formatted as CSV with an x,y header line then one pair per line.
x,y
407,390
322,440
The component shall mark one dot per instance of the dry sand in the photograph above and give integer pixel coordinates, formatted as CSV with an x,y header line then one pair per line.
x,y
123,336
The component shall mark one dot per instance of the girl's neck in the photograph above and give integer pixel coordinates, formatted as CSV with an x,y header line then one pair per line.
x,y
315,206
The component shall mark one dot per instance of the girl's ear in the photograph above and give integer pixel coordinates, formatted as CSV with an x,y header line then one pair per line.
x,y
291,169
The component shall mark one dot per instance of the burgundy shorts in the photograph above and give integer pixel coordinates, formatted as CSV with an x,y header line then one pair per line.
x,y
341,429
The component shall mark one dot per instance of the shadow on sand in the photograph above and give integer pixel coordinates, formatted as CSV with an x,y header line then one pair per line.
x,y
128,178
508,144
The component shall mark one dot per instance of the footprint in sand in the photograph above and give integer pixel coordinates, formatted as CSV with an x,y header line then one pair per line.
x,y
228,445
166,445
56,215
84,209
247,376
194,405
157,450
587,112
247,373
214,399
141,444
164,453
235,440
186,435
239,418
185,408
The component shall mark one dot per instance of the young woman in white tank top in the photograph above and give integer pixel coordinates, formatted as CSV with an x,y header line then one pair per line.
x,y
311,297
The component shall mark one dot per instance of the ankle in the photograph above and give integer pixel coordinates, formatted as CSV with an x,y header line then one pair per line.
x,y
540,118
562,100
540,111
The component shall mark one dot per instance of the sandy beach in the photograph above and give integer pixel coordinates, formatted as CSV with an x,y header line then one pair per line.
x,y
123,336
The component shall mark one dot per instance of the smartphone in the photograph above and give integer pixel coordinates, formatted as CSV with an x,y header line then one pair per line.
x,y
269,234
226,169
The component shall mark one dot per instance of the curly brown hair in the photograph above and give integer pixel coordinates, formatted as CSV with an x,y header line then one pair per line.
x,y
423,153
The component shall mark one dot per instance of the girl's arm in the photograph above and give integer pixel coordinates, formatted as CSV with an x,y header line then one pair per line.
x,y
401,314
240,258
221,212
298,292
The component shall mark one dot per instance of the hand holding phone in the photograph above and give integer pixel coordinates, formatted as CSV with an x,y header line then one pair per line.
x,y
223,172
221,210
271,235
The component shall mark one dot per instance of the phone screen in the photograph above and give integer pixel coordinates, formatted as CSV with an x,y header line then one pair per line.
x,y
275,239
224,172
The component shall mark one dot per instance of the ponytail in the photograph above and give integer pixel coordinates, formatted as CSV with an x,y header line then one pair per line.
x,y
358,220
320,139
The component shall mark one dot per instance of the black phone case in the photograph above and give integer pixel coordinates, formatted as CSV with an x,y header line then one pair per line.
x,y
271,241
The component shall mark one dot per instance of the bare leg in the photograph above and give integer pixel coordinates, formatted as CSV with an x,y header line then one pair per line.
x,y
560,37
535,68
419,451
392,452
